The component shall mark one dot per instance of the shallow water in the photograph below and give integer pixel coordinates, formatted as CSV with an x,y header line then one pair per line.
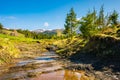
x,y
45,67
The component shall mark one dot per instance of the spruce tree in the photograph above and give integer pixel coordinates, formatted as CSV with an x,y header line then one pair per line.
x,y
113,18
70,23
88,25
101,18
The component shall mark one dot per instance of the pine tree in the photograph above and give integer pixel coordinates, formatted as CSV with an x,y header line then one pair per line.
x,y
101,17
66,25
113,18
70,23
88,25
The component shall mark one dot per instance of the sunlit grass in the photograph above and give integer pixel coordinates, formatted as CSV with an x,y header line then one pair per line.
x,y
7,50
17,39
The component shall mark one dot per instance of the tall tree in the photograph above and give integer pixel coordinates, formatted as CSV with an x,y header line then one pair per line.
x,y
67,25
101,17
113,18
70,23
88,25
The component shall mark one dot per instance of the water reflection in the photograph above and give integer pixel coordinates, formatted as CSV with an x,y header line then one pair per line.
x,y
60,75
44,58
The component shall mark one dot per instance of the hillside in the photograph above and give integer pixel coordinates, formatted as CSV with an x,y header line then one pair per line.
x,y
99,56
54,31
17,46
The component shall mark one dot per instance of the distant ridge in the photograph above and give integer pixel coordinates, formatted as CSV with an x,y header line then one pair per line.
x,y
54,31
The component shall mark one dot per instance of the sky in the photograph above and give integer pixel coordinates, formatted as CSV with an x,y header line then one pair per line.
x,y
47,14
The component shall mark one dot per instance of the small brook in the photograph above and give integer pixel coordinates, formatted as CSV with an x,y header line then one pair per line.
x,y
46,67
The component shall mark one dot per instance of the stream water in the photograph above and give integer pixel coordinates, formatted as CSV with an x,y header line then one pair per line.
x,y
46,67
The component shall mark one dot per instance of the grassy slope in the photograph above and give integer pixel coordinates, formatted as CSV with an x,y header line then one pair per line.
x,y
104,39
16,39
15,46
101,51
99,56
67,47
7,50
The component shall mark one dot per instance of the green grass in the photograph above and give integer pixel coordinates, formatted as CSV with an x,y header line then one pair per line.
x,y
16,39
68,47
8,51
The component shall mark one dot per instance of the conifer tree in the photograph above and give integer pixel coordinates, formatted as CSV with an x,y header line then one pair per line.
x,y
88,25
113,18
101,18
70,23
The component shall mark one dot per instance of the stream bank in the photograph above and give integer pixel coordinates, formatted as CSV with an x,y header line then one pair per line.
x,y
99,56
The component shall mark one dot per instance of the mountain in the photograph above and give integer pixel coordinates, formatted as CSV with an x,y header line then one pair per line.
x,y
38,30
54,31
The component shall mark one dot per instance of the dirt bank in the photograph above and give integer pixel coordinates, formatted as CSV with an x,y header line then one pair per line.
x,y
99,57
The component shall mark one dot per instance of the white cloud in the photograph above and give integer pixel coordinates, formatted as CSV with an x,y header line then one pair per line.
x,y
46,24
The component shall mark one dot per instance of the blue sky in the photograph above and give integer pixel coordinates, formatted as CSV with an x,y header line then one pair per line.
x,y
47,14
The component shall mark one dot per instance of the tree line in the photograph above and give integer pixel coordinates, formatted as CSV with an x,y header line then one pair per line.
x,y
34,35
91,23
29,34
